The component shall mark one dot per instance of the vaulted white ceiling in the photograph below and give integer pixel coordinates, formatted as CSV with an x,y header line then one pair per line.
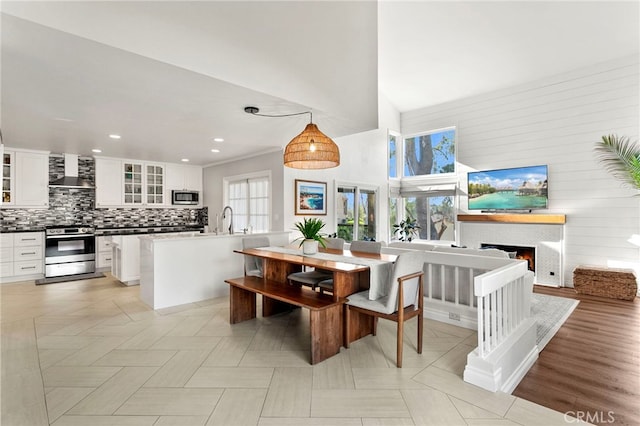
x,y
171,76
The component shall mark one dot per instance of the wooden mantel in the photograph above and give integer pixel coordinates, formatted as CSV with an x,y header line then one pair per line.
x,y
552,219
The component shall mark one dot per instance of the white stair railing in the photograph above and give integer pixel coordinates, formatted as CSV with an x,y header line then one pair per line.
x,y
506,332
503,297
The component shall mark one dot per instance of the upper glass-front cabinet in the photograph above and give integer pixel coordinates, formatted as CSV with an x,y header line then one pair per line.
x,y
155,184
132,183
7,177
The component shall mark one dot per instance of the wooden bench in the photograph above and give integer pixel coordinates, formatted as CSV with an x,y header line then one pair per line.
x,y
325,313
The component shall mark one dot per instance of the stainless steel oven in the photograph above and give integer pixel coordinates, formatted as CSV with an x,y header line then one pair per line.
x,y
69,250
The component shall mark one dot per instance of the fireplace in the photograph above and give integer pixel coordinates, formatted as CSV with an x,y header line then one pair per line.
x,y
517,252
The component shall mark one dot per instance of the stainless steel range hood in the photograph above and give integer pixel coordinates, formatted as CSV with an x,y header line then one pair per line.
x,y
70,178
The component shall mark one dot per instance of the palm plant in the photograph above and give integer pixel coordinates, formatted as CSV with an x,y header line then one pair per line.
x,y
310,230
621,158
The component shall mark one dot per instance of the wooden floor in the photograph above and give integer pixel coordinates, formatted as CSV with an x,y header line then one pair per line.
x,y
592,365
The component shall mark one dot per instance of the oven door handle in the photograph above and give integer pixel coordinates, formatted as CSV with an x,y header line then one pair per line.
x,y
57,237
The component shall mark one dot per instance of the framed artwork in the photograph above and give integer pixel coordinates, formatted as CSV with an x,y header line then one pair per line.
x,y
311,197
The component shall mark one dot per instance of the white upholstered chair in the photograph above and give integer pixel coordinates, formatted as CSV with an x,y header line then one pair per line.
x,y
253,264
403,300
312,278
326,284
366,246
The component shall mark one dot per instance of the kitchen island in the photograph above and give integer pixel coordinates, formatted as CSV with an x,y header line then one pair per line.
x,y
179,269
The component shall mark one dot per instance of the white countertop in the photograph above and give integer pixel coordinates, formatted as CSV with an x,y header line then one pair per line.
x,y
192,235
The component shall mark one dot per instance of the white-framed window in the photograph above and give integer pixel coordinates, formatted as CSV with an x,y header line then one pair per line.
x,y
356,211
429,153
424,185
250,198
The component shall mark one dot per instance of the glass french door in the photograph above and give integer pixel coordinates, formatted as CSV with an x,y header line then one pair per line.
x,y
356,212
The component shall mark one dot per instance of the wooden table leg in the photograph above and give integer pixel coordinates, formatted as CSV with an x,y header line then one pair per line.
x,y
344,285
326,333
242,304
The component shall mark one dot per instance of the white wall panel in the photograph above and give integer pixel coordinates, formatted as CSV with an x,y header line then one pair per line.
x,y
556,121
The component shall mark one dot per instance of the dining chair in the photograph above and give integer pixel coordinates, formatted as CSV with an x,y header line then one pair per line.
x,y
326,284
253,264
366,246
312,278
404,300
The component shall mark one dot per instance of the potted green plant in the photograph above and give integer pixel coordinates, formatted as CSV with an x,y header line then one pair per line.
x,y
621,158
311,236
407,229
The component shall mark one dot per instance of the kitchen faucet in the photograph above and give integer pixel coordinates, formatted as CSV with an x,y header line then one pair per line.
x,y
224,215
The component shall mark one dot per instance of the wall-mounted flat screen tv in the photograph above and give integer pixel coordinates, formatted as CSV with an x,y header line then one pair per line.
x,y
520,188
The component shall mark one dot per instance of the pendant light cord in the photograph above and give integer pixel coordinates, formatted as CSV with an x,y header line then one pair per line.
x,y
256,111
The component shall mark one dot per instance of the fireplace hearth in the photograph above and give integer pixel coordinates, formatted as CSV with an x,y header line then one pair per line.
x,y
517,252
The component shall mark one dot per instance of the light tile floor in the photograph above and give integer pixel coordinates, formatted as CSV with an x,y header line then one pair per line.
x,y
91,353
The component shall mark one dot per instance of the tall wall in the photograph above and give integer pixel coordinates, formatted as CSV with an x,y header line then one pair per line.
x,y
213,184
363,161
556,121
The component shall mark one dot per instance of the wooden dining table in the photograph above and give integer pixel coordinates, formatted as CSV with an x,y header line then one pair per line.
x,y
349,277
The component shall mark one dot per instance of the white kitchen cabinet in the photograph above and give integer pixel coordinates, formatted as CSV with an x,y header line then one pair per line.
x,y
25,178
22,256
154,177
8,177
144,183
108,182
6,255
32,179
104,254
180,176
122,182
125,260
133,184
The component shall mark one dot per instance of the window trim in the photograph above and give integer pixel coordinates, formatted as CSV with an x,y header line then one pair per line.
x,y
226,180
358,187
444,176
399,154
403,187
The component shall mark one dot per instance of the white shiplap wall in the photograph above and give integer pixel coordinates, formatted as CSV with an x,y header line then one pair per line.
x,y
556,121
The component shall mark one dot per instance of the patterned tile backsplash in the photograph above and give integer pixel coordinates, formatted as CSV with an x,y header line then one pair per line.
x,y
76,206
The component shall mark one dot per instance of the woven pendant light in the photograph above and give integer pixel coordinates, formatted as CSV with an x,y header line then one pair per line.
x,y
311,149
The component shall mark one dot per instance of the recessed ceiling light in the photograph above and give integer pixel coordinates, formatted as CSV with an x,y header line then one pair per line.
x,y
215,150
97,151
218,140
186,160
114,136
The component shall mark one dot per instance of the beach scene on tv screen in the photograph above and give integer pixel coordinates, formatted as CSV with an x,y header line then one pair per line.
x,y
508,189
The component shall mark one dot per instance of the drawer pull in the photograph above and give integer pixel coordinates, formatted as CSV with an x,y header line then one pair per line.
x,y
27,254
107,258
27,239
27,267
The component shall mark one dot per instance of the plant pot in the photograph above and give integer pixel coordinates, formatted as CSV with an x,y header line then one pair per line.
x,y
309,247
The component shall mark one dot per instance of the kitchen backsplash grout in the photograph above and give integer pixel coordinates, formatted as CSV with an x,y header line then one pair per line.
x,y
77,206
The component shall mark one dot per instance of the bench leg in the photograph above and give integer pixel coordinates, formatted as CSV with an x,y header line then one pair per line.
x,y
326,333
242,304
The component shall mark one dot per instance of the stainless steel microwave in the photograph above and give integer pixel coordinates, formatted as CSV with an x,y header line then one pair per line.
x,y
185,197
